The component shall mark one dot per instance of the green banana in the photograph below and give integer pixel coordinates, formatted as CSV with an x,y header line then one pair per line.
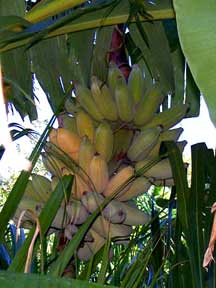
x,y
168,118
124,101
104,140
104,100
68,122
143,143
148,105
42,186
85,99
53,165
135,84
122,140
113,75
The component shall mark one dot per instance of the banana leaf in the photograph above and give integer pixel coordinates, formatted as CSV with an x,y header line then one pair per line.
x,y
196,27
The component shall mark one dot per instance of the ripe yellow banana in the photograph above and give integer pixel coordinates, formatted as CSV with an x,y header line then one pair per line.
x,y
104,100
114,212
67,141
133,215
124,101
148,105
91,201
104,140
85,126
41,186
135,84
86,153
143,143
122,140
86,100
80,186
168,118
98,172
119,180
76,212
139,186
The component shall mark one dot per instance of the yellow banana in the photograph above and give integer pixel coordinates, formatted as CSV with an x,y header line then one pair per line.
x,y
85,126
143,143
91,201
67,141
133,216
114,212
148,106
41,186
103,98
76,212
104,140
108,230
85,99
135,84
140,185
124,101
168,118
122,140
86,153
98,172
80,186
119,181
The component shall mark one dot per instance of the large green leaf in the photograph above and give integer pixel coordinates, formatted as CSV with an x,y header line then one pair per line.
x,y
11,280
196,24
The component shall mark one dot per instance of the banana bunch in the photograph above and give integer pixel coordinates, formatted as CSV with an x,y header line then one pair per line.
x,y
110,135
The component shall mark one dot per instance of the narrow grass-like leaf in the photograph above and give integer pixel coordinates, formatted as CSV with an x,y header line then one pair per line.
x,y
18,189
104,263
11,280
45,219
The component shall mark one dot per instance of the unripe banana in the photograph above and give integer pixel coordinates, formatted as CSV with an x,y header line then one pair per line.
x,y
30,192
135,84
139,186
119,180
114,212
80,186
69,123
67,141
161,170
108,230
71,105
113,75
54,166
169,118
86,153
98,173
143,143
41,186
91,201
76,212
124,101
122,140
85,125
133,216
104,140
70,230
28,203
148,105
60,219
84,97
103,98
